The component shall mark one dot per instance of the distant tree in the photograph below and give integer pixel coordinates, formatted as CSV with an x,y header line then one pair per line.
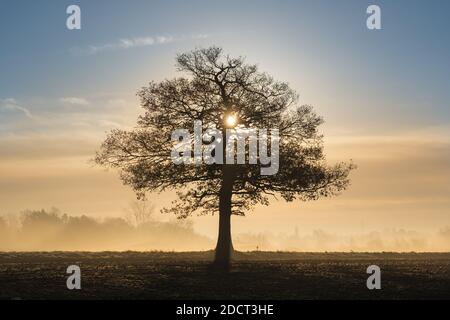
x,y
3,227
35,219
140,212
3,224
216,86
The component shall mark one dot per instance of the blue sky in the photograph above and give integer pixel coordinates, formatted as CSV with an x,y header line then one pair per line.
x,y
384,95
398,75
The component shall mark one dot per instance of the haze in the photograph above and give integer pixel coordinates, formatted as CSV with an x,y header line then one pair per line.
x,y
383,94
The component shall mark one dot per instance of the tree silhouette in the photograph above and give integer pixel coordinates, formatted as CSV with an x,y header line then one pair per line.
x,y
216,86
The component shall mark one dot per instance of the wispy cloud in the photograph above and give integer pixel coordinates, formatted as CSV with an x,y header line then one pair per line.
x,y
11,104
75,101
128,43
79,115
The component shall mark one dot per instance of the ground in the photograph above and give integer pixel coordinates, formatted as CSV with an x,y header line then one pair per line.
x,y
254,275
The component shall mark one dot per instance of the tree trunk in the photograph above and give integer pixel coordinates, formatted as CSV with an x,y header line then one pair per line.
x,y
224,247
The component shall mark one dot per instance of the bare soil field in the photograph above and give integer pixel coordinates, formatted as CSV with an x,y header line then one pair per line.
x,y
254,275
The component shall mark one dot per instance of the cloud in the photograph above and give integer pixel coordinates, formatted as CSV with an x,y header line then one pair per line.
x,y
77,114
11,104
124,43
128,43
75,101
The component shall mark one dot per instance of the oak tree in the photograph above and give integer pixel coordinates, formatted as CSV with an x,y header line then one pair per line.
x,y
212,87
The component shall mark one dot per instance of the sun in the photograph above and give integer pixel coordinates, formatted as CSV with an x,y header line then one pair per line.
x,y
231,120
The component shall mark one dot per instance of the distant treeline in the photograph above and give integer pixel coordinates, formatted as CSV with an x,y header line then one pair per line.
x,y
50,230
139,230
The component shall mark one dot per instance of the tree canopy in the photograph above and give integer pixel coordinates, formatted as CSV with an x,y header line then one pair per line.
x,y
212,86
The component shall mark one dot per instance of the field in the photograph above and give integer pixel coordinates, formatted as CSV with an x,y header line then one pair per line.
x,y
255,275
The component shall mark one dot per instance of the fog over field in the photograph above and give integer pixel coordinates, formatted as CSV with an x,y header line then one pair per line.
x,y
141,229
383,95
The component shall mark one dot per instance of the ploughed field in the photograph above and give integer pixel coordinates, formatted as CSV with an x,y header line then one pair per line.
x,y
254,275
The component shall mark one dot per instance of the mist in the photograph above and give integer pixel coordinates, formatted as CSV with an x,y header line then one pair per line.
x,y
140,230
386,240
51,230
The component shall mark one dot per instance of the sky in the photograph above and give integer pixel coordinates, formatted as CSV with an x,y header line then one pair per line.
x,y
383,94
